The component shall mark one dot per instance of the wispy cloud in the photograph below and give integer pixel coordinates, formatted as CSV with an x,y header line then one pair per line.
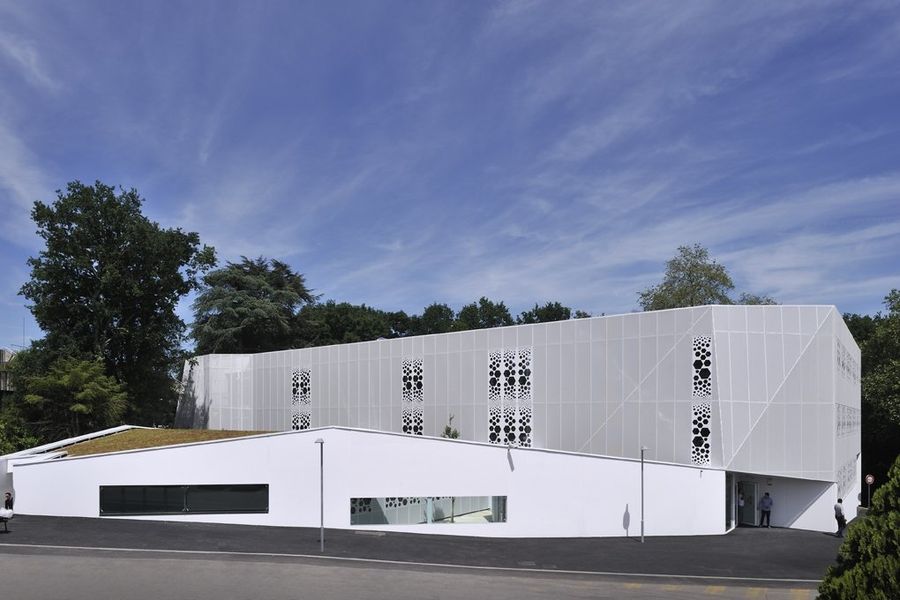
x,y
23,56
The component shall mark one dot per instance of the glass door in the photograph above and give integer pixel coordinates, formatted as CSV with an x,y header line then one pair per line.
x,y
747,503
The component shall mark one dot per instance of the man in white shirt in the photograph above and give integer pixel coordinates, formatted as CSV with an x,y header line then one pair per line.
x,y
839,517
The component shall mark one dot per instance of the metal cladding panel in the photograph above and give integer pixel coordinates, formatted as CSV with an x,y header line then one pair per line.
x,y
780,392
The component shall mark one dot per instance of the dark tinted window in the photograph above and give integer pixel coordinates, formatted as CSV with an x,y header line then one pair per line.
x,y
228,498
179,499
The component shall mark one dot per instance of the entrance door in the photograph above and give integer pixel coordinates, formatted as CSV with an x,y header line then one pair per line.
x,y
747,503
730,502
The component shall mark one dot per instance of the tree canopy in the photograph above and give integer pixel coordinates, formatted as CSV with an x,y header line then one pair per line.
x,y
249,306
482,315
879,342
435,318
341,323
868,563
74,397
693,278
106,284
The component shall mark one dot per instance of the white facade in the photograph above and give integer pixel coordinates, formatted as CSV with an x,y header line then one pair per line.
x,y
730,402
548,493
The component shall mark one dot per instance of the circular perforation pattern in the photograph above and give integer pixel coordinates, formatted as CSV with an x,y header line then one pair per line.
x,y
413,383
509,397
360,505
702,366
295,399
300,399
702,413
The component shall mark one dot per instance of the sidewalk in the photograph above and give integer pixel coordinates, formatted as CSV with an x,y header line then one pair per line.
x,y
743,553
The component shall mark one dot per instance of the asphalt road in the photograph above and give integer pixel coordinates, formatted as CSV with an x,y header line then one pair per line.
x,y
54,557
38,574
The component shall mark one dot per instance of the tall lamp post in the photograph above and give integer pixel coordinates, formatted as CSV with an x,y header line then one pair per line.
x,y
321,444
643,449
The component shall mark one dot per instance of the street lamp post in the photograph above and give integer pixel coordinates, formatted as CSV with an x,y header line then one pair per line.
x,y
321,444
643,449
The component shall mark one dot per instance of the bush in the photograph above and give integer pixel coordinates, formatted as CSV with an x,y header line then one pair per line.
x,y
868,563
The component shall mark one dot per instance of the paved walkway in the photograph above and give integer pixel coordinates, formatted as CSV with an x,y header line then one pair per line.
x,y
767,555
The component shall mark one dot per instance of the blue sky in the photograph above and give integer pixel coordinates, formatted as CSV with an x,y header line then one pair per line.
x,y
401,153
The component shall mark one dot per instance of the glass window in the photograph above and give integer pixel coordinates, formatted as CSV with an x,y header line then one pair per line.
x,y
180,499
228,498
427,509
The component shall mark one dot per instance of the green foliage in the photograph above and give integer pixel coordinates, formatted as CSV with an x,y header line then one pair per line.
x,y
755,299
248,306
436,318
879,342
450,432
483,315
868,564
14,432
552,311
692,278
73,397
106,284
341,323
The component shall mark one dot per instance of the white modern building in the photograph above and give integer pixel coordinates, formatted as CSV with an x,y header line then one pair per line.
x,y
728,402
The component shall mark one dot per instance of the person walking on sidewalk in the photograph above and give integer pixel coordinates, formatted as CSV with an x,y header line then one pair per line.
x,y
839,517
765,508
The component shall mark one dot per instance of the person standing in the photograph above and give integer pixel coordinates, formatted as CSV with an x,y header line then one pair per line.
x,y
765,508
839,517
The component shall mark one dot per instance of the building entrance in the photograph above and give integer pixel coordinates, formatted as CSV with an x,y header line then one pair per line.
x,y
747,500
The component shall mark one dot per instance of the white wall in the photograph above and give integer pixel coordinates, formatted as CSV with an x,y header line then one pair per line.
x,y
549,493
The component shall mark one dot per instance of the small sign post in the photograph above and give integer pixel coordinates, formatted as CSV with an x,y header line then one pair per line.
x,y
870,479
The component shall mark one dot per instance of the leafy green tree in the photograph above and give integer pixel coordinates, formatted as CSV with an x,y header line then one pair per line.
x,y
400,323
436,318
552,311
331,322
74,397
755,299
861,327
106,284
15,434
483,315
580,314
868,564
692,278
879,342
248,306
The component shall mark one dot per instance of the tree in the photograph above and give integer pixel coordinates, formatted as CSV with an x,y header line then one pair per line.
x,y
436,318
879,342
868,564
483,315
248,306
755,299
106,284
692,279
340,323
552,311
74,397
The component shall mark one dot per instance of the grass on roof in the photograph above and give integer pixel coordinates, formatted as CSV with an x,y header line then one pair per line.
x,y
134,439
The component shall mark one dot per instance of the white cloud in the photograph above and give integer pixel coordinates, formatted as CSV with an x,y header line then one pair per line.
x,y
23,55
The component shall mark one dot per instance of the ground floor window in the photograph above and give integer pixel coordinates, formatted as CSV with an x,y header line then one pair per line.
x,y
183,499
413,510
